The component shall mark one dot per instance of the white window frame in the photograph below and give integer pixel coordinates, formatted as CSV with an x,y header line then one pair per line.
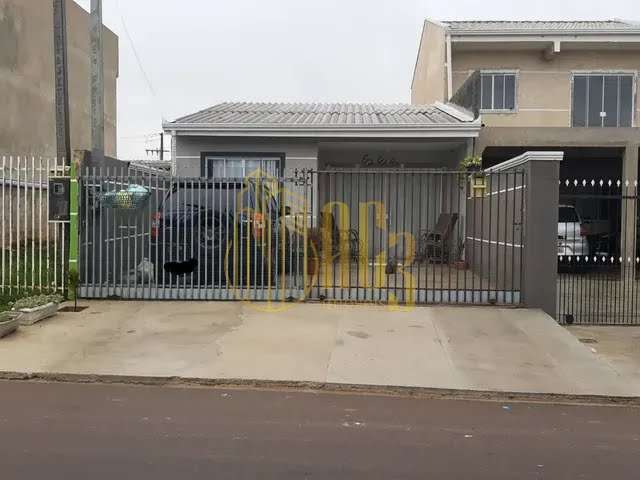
x,y
600,73
516,74
244,158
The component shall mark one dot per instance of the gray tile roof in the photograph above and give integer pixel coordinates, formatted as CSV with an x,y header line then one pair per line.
x,y
607,26
314,115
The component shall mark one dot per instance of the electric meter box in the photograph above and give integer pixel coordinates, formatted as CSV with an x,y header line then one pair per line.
x,y
59,197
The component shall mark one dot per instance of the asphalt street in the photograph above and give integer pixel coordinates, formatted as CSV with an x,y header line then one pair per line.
x,y
91,431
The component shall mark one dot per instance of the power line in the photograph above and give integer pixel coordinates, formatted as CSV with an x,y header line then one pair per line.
x,y
138,59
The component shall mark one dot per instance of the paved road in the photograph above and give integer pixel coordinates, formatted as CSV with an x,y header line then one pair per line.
x,y
65,431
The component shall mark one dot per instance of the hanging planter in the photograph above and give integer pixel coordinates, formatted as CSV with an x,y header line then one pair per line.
x,y
477,180
132,198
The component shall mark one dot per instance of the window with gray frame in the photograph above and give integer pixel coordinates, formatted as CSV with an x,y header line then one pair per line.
x,y
602,100
498,91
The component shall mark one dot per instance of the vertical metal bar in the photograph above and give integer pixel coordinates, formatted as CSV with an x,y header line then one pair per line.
x,y
441,266
104,174
635,259
182,224
96,228
120,234
258,246
25,209
397,219
458,255
88,221
146,230
205,239
498,195
158,272
413,294
341,239
223,248
3,285
232,276
374,233
523,180
418,245
47,280
192,231
238,231
18,230
33,224
333,186
430,286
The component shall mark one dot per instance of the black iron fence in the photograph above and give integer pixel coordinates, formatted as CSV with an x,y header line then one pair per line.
x,y
598,257
393,236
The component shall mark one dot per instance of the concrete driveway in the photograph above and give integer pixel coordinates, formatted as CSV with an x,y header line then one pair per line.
x,y
474,348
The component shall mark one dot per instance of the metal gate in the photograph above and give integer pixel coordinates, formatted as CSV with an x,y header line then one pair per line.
x,y
392,236
598,258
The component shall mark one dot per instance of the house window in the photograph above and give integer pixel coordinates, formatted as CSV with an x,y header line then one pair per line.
x,y
498,91
239,166
602,100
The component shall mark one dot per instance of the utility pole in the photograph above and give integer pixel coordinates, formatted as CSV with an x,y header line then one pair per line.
x,y
63,136
97,83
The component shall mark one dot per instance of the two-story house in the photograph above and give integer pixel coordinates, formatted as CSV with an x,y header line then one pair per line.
x,y
556,85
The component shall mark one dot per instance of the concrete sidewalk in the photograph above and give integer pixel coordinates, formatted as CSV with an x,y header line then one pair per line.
x,y
617,346
475,348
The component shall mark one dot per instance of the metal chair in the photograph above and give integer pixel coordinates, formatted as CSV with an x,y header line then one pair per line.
x,y
434,245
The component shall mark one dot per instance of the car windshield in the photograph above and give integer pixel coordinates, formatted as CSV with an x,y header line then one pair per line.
x,y
568,215
219,196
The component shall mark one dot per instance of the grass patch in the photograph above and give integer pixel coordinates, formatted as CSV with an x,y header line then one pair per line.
x,y
28,272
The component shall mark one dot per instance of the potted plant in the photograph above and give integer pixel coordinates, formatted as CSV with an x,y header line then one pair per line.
x,y
37,308
477,181
471,163
9,322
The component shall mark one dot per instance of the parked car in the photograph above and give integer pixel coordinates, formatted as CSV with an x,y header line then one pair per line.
x,y
572,237
210,231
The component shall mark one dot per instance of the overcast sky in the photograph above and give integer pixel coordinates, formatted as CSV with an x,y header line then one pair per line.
x,y
196,53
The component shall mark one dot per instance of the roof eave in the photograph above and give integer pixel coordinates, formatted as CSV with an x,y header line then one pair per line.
x,y
545,32
468,129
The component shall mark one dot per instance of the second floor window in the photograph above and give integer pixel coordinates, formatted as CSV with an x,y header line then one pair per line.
x,y
602,100
498,91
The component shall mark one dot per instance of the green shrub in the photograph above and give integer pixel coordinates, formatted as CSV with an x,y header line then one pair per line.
x,y
37,301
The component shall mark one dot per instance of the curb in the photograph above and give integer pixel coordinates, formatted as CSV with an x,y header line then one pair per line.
x,y
325,387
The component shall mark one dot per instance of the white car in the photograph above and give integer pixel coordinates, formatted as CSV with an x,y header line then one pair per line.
x,y
572,239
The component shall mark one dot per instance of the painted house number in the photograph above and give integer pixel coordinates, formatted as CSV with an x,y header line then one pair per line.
x,y
379,161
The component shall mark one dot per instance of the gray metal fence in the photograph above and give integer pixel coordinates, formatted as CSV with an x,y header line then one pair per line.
x,y
353,235
32,253
598,256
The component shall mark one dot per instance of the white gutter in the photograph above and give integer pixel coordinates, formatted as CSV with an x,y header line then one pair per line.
x,y
542,36
471,130
547,31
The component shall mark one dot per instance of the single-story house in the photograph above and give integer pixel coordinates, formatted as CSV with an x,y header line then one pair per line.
x,y
368,146
320,136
